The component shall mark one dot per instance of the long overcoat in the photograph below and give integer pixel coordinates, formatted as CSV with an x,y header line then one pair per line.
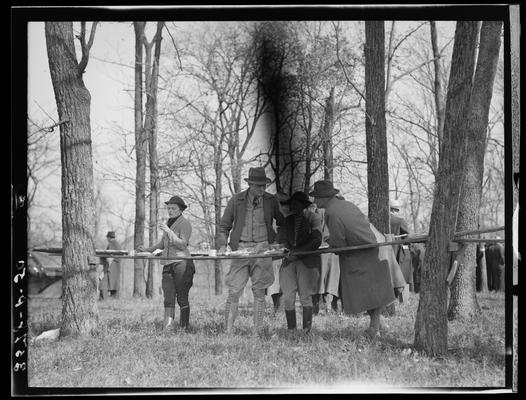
x,y
365,277
402,252
112,268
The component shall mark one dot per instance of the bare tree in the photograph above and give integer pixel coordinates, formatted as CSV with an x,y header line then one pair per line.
x,y
431,319
139,283
79,301
463,302
377,172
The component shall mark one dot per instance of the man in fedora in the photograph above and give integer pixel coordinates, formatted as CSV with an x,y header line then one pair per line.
x,y
177,276
301,231
365,276
109,284
247,223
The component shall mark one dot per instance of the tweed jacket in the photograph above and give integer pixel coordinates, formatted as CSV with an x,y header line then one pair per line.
x,y
175,243
231,224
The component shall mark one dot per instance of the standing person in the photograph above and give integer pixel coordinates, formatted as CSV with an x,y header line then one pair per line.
x,y
301,231
329,288
109,285
366,279
177,276
403,255
247,223
495,265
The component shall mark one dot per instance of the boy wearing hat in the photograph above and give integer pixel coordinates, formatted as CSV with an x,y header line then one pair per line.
x,y
177,276
112,268
365,276
247,223
301,231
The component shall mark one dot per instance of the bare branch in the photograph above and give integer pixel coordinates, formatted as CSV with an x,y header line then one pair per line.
x,y
85,47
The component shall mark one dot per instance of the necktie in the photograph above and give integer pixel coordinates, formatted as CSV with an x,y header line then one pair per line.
x,y
255,202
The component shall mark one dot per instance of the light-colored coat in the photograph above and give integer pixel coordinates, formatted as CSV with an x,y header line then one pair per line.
x,y
366,279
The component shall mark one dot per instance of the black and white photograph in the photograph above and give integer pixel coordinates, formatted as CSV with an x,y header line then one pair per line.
x,y
265,199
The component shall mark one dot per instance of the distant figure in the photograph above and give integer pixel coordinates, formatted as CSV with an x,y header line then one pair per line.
x,y
109,285
301,231
495,265
418,251
403,255
366,278
177,278
248,224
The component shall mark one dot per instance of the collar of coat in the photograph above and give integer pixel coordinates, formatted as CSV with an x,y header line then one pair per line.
x,y
242,196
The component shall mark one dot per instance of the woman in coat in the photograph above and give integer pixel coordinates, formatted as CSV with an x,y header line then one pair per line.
x,y
177,275
366,278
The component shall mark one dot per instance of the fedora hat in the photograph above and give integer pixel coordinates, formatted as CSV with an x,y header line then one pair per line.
x,y
302,197
177,200
111,234
257,175
395,203
323,189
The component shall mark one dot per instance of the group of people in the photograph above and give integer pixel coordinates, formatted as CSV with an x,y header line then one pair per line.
x,y
368,279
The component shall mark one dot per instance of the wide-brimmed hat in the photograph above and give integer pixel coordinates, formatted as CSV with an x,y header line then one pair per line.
x,y
111,234
257,176
302,197
177,200
323,189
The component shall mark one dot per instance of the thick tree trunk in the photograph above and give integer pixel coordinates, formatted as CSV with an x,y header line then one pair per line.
x,y
431,319
463,302
375,130
139,283
152,75
79,300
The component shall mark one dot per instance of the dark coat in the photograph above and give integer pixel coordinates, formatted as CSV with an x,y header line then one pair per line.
x,y
366,279
233,218
308,237
112,268
494,259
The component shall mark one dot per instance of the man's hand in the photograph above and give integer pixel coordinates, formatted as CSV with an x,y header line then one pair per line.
x,y
140,248
221,250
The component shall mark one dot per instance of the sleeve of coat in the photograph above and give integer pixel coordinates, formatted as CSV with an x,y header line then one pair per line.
x,y
181,238
225,225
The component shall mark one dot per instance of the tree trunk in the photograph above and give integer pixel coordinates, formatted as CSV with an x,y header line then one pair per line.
x,y
439,95
150,127
139,283
79,299
431,318
463,302
375,130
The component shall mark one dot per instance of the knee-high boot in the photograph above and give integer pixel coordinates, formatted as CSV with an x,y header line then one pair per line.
x,y
184,316
168,317
307,319
259,312
230,313
291,319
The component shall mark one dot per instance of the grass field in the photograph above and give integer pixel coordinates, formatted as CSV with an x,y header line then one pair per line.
x,y
130,349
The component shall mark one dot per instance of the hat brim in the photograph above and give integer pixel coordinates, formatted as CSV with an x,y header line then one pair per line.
x,y
265,182
324,194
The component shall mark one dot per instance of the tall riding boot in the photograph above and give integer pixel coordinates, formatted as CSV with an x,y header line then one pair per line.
x,y
315,304
230,314
168,317
276,297
259,312
291,319
307,319
184,317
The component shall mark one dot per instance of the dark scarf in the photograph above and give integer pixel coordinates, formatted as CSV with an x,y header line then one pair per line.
x,y
172,220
